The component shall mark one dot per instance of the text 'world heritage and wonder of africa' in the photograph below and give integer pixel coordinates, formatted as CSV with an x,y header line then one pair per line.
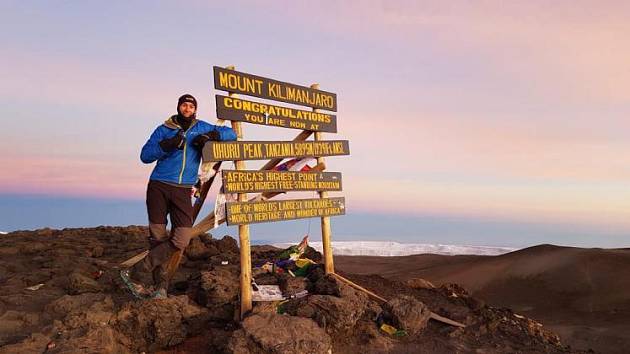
x,y
269,211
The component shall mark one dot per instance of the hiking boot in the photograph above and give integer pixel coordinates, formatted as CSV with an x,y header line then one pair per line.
x,y
140,274
138,289
160,277
159,294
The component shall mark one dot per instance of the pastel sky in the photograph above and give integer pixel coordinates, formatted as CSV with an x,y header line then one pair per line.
x,y
492,110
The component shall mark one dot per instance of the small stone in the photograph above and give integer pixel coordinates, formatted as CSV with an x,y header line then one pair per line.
x,y
79,284
97,251
45,232
290,285
419,283
326,285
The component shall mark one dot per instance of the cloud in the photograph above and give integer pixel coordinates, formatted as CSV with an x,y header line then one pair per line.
x,y
420,144
72,177
579,203
573,50
66,79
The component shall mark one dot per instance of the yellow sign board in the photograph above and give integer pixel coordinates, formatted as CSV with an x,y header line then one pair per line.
x,y
266,150
252,85
235,109
278,210
279,181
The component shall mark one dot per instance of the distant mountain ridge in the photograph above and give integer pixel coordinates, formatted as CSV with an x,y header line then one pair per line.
x,y
583,294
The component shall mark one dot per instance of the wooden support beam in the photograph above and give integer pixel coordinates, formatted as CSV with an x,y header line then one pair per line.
x,y
207,223
358,287
133,260
433,315
329,265
243,234
274,162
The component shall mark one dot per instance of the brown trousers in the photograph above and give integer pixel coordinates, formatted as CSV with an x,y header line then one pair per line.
x,y
164,199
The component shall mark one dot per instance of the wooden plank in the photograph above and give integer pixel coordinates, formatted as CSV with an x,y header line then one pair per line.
x,y
279,181
264,150
329,264
274,162
207,223
203,191
257,86
358,287
235,109
278,210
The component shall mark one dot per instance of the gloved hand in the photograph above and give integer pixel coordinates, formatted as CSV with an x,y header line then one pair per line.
x,y
175,143
200,140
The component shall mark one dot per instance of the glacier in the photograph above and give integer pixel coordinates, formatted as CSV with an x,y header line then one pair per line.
x,y
392,248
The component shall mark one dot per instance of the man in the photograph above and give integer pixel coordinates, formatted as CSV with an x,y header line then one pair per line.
x,y
176,146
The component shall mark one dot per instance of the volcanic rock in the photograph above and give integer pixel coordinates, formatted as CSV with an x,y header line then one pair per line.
x,y
156,324
97,251
227,245
13,322
279,334
86,327
197,250
218,290
79,284
335,314
68,304
325,285
100,340
408,313
35,343
419,283
292,285
103,317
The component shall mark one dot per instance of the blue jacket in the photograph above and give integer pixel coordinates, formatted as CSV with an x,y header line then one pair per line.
x,y
179,166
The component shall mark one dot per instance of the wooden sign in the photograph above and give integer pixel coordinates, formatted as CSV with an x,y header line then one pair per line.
x,y
266,150
279,181
252,85
268,211
234,109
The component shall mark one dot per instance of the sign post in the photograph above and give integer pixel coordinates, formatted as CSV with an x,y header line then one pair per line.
x,y
329,265
271,183
243,232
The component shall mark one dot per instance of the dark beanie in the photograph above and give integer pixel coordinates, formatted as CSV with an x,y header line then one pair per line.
x,y
186,98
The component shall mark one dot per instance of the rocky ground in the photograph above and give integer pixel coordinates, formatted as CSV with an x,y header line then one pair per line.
x,y
60,293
